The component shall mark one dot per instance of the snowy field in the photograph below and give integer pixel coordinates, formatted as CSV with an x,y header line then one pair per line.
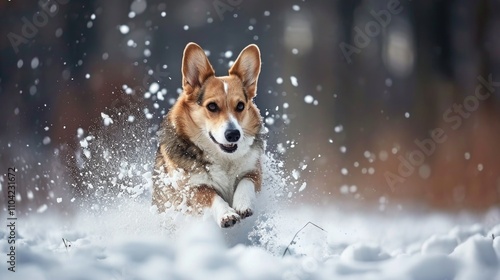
x,y
129,241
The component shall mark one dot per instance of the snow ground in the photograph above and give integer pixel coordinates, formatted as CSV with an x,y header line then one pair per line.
x,y
129,241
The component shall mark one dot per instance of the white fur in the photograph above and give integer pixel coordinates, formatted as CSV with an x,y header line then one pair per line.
x,y
226,86
244,196
221,210
219,133
235,123
223,174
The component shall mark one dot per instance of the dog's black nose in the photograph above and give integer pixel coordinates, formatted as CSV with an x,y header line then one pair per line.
x,y
232,135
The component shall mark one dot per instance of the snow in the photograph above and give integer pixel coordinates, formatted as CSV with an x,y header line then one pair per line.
x,y
107,120
388,82
46,140
308,99
360,252
59,32
34,63
154,87
42,208
130,241
138,6
303,186
480,167
439,245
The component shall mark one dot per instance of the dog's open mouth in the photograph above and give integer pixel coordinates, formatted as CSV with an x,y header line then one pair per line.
x,y
228,148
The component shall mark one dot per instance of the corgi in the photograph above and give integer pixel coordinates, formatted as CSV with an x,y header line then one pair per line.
x,y
211,141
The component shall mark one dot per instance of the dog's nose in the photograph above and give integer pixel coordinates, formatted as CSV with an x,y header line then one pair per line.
x,y
232,135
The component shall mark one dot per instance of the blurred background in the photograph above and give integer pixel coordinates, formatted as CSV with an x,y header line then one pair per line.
x,y
379,104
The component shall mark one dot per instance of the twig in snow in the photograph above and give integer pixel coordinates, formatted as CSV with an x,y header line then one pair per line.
x,y
67,244
292,242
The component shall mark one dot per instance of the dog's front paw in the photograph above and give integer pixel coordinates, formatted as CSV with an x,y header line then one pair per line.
x,y
229,219
243,198
245,213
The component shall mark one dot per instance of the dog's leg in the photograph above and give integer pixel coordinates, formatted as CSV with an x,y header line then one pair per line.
x,y
224,215
244,197
206,197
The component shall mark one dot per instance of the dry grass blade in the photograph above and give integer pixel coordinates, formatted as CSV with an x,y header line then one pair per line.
x,y
297,233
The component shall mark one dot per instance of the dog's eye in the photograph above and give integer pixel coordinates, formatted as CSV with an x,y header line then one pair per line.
x,y
212,107
240,107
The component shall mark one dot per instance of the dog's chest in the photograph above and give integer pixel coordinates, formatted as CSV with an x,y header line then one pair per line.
x,y
224,175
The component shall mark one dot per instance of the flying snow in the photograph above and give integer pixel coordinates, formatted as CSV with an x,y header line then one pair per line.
x,y
35,62
308,99
154,87
124,29
138,6
107,120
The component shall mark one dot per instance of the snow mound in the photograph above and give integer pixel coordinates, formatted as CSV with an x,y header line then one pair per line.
x,y
477,249
364,253
128,241
439,244
431,267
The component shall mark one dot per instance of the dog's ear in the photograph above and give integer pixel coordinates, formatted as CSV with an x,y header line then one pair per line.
x,y
195,67
247,68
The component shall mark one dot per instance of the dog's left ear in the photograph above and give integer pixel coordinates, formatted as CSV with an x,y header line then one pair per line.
x,y
247,68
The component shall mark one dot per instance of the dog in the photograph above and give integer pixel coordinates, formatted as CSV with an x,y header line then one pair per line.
x,y
211,141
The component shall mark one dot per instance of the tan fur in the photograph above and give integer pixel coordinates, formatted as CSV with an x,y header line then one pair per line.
x,y
256,177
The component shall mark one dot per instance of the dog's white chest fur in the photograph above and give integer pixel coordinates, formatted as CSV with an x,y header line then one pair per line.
x,y
224,174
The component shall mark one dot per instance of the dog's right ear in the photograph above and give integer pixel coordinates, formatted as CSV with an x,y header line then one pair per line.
x,y
195,67
247,68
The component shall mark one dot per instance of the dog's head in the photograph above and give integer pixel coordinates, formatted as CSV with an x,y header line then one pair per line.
x,y
219,113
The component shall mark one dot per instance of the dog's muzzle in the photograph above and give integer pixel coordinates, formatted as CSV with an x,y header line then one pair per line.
x,y
231,137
